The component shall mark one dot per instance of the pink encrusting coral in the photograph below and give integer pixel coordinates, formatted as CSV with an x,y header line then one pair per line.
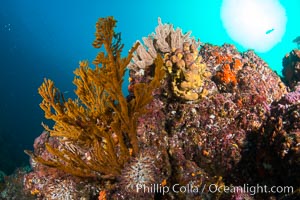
x,y
215,116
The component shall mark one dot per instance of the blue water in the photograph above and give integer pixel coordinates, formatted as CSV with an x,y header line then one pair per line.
x,y
48,38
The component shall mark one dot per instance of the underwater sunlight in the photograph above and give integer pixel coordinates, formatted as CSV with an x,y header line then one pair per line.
x,y
254,24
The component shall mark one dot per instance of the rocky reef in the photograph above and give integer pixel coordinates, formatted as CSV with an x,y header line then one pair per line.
x,y
291,70
197,117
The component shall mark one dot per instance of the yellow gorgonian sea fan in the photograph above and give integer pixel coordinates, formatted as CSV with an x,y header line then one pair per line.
x,y
97,130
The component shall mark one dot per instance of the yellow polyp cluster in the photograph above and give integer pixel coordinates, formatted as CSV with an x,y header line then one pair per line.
x,y
187,72
35,191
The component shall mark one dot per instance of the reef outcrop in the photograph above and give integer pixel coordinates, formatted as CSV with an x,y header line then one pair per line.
x,y
291,68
